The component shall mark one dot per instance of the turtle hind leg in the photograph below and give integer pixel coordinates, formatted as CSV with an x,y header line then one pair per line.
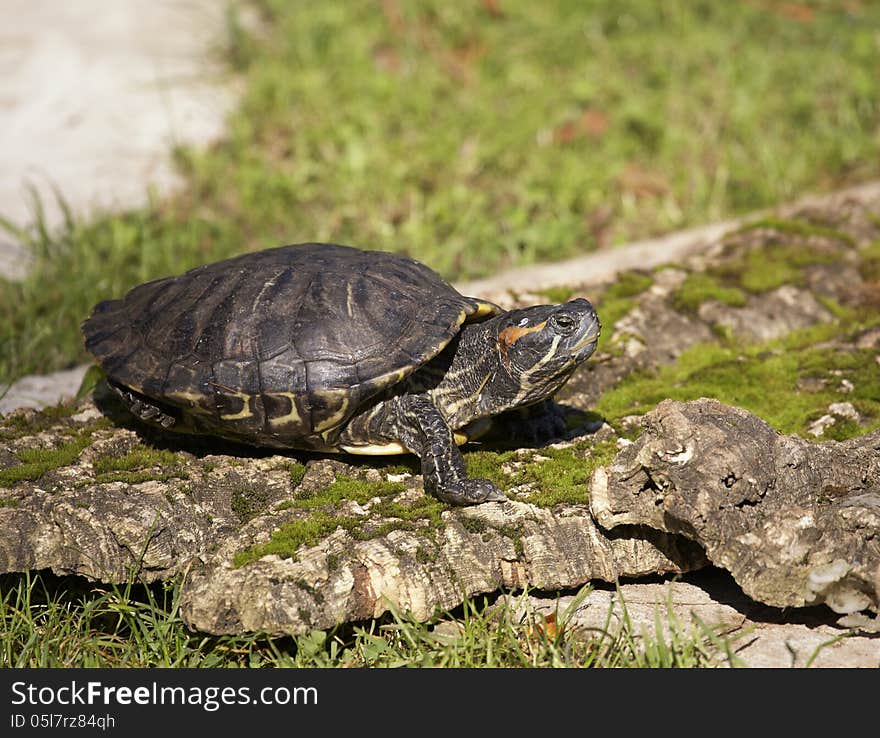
x,y
143,408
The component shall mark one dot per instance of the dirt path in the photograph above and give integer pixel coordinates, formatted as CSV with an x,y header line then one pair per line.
x,y
93,95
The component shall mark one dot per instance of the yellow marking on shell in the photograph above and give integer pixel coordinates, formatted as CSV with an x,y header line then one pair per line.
x,y
377,449
193,397
484,307
268,284
391,378
474,430
292,417
349,301
245,411
337,417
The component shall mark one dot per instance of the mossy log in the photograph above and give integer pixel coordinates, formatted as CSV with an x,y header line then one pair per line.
x,y
796,523
779,317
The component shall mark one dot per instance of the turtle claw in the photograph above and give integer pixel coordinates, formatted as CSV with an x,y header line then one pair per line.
x,y
496,496
470,491
142,409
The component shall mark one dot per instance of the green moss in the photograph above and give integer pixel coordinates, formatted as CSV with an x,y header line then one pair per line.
x,y
138,457
798,227
422,514
562,476
487,465
248,502
618,298
767,269
348,488
295,533
764,379
423,508
21,424
869,267
518,547
772,266
321,519
134,477
557,295
140,464
842,429
699,287
757,270
423,556
628,284
8,502
872,250
565,477
297,472
37,461
474,525
365,533
399,467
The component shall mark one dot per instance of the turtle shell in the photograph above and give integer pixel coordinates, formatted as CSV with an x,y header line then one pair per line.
x,y
279,347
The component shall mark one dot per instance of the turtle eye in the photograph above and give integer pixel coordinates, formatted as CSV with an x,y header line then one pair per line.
x,y
563,323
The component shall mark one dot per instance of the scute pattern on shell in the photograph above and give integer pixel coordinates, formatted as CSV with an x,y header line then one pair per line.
x,y
277,346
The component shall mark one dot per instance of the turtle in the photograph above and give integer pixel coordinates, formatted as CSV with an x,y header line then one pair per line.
x,y
331,348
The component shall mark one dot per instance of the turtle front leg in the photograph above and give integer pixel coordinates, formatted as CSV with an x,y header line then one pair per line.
x,y
419,425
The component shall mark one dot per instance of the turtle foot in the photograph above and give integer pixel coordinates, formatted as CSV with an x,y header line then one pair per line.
x,y
470,492
143,409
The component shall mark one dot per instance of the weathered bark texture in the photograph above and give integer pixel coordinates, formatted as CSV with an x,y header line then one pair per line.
x,y
796,523
475,550
202,510
73,522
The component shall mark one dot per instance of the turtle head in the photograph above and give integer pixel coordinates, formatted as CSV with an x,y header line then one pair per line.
x,y
540,346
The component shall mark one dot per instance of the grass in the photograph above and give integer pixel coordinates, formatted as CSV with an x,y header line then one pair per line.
x,y
51,622
476,136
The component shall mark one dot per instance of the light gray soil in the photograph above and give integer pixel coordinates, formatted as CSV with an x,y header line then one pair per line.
x,y
94,95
